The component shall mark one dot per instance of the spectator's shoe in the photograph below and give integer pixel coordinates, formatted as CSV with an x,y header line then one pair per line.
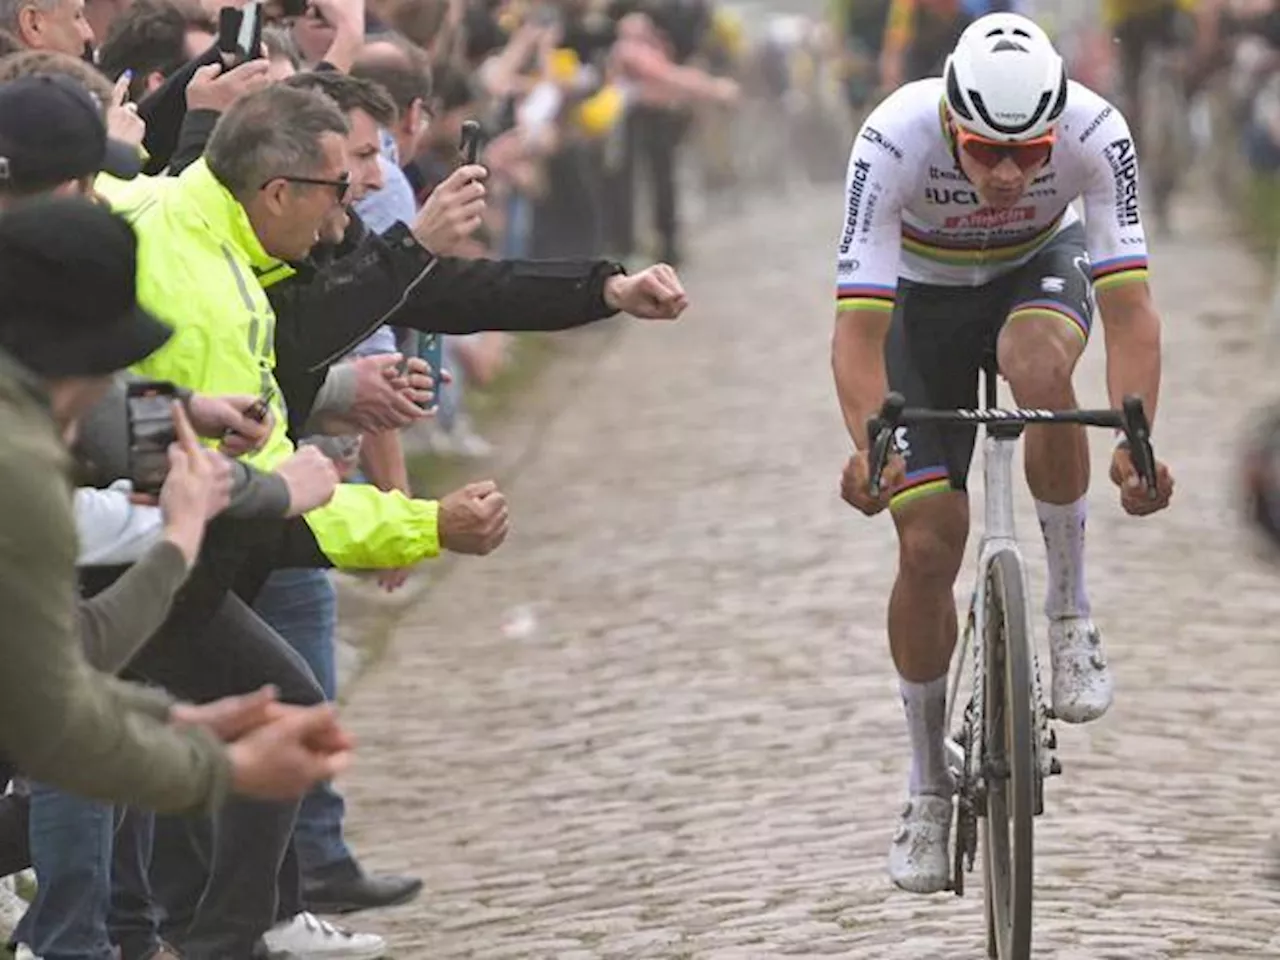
x,y
345,888
12,907
467,443
307,937
919,857
1082,686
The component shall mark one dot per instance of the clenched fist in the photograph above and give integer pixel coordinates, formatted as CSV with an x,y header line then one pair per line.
x,y
474,519
652,294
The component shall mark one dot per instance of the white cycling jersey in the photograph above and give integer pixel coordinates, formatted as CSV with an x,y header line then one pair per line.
x,y
911,213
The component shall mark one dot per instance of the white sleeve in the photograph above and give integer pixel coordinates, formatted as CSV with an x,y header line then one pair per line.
x,y
871,238
114,531
1113,221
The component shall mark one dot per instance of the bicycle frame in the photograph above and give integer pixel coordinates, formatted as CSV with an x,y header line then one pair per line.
x,y
999,533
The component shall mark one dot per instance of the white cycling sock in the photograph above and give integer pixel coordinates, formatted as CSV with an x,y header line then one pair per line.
x,y
926,707
1063,527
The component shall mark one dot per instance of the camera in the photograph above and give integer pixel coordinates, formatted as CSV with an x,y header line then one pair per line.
x,y
240,34
149,405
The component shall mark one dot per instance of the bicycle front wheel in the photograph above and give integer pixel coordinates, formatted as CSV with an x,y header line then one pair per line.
x,y
1009,761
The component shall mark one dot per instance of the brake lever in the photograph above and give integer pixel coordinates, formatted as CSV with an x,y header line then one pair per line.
x,y
880,429
880,436
1137,431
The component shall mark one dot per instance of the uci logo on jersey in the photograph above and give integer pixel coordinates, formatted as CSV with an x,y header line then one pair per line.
x,y
1124,170
946,195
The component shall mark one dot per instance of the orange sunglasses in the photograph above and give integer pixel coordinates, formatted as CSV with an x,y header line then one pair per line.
x,y
1027,154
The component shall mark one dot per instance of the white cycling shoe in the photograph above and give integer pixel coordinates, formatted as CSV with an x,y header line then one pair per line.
x,y
1082,685
920,855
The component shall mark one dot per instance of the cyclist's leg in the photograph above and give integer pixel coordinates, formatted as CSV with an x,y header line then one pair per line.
x,y
1050,312
927,362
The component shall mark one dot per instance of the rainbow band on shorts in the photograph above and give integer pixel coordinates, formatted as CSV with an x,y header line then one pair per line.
x,y
1055,309
1119,271
864,296
921,483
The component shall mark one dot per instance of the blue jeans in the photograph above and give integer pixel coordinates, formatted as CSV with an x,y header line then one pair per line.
x,y
79,911
134,921
302,606
71,841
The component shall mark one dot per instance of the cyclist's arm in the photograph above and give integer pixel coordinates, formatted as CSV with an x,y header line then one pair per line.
x,y
867,271
1118,249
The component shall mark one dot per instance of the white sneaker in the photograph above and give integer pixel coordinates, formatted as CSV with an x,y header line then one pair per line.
x,y
1082,687
307,937
23,952
920,856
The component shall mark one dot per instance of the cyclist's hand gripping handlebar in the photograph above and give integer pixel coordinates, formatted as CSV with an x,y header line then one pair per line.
x,y
880,430
1137,431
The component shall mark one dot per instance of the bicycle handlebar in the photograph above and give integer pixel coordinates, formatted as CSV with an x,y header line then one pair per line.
x,y
1131,418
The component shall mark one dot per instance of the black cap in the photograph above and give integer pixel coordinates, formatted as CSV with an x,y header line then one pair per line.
x,y
68,290
51,131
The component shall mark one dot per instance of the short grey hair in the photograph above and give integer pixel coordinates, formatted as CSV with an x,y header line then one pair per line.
x,y
10,9
274,132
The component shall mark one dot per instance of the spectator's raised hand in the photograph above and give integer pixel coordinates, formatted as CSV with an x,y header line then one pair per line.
x,y
197,488
223,418
453,212
286,757
311,478
474,519
652,294
229,718
213,88
385,398
726,90
346,18
123,122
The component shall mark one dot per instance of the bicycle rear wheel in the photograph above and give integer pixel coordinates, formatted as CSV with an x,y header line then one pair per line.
x,y
1009,761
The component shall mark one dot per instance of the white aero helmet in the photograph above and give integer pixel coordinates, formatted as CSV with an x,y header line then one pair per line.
x,y
1004,79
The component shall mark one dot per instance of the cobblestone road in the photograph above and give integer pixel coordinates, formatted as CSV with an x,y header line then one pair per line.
x,y
698,752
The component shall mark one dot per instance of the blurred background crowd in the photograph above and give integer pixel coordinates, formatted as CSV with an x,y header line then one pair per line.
x,y
607,131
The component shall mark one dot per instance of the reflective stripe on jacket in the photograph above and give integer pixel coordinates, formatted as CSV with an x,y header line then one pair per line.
x,y
199,264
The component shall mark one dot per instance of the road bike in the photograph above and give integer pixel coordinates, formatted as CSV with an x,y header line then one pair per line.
x,y
1004,747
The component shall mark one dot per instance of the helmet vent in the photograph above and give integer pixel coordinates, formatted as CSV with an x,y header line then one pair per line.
x,y
1003,45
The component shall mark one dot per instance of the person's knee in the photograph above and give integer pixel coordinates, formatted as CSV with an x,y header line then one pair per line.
x,y
1039,359
931,541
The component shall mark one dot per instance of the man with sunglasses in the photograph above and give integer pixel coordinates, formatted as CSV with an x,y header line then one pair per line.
x,y
960,243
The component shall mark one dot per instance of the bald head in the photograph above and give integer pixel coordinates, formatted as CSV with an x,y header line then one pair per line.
x,y
384,52
404,71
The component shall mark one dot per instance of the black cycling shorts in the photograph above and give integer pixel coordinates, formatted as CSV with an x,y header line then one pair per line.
x,y
940,337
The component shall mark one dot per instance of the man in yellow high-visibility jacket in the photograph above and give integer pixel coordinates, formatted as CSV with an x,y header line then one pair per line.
x,y
274,172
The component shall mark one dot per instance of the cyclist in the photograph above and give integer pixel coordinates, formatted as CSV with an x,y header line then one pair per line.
x,y
960,242
1140,27
859,27
917,38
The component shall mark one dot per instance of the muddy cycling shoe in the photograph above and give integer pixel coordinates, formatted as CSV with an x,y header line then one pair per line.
x,y
1082,685
920,857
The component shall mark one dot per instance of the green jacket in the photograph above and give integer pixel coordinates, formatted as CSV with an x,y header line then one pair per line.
x,y
61,722
199,269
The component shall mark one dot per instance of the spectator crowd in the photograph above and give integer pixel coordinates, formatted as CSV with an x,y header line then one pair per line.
x,y
246,260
